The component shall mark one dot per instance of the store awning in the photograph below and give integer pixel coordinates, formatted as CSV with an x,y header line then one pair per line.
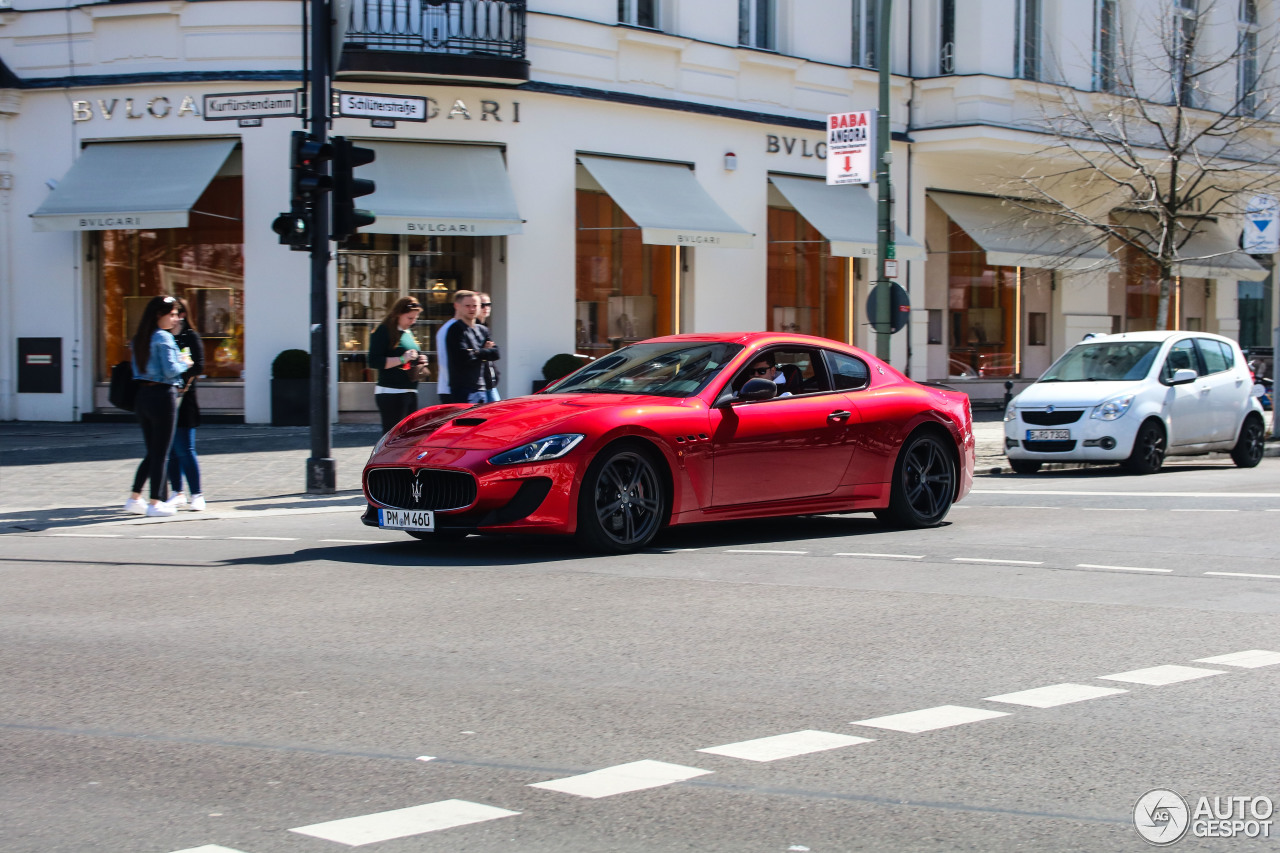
x,y
128,185
432,189
1013,236
667,202
1210,251
846,215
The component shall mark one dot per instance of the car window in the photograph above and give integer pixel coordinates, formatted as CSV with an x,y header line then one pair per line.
x,y
847,373
797,372
671,369
1217,355
1104,361
1182,356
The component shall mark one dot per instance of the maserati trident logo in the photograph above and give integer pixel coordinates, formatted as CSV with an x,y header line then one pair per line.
x,y
416,489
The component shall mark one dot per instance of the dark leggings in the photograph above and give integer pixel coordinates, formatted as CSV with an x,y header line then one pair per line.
x,y
157,411
395,407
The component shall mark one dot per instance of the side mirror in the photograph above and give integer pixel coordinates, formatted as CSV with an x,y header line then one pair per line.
x,y
758,389
1183,375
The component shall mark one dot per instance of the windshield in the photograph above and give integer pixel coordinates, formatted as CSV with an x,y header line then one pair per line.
x,y
675,369
1104,362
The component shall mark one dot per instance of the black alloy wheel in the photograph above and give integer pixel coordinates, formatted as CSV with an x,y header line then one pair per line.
x,y
1252,444
1148,450
622,503
924,484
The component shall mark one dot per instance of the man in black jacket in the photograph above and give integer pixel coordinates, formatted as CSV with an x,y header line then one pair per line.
x,y
490,366
466,349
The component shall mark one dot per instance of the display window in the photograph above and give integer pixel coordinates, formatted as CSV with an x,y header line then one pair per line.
x,y
374,270
202,263
1135,297
982,303
806,284
625,288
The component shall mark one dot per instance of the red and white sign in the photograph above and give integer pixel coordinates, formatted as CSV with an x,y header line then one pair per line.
x,y
850,147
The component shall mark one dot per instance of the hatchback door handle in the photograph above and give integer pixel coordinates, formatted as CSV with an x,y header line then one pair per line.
x,y
839,416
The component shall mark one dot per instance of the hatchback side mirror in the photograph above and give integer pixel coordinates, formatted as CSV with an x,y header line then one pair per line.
x,y
1183,375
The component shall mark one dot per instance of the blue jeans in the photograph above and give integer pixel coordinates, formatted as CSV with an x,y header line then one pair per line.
x,y
491,395
183,461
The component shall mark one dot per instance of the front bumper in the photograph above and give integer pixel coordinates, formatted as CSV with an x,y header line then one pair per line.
x,y
1090,439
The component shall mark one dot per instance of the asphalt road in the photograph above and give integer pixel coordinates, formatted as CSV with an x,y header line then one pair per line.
x,y
245,680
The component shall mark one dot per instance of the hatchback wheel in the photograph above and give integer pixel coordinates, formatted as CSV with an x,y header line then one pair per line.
x,y
622,503
924,484
1148,450
1252,445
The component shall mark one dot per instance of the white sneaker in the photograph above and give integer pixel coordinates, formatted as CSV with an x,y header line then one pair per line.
x,y
135,505
178,499
197,503
161,510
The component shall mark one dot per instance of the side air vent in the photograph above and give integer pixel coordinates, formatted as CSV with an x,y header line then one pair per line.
x,y
468,421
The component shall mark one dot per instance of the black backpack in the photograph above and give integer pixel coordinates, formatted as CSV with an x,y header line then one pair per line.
x,y
123,390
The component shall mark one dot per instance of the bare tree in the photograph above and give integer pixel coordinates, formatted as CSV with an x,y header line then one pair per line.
x,y
1174,136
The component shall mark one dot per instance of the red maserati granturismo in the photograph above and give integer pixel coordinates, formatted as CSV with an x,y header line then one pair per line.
x,y
678,430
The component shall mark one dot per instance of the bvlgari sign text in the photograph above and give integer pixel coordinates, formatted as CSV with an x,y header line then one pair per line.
x,y
157,107
253,105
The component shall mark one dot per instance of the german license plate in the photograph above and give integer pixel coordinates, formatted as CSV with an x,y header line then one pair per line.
x,y
1048,435
407,519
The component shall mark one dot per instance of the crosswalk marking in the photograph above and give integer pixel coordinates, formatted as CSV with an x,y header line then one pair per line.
x,y
1158,676
1251,659
1055,695
622,779
785,746
929,719
399,823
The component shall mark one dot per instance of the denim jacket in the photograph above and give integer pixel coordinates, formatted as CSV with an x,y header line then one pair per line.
x,y
165,364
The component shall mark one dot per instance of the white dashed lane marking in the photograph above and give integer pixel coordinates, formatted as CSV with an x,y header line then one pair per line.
x,y
997,562
1118,568
1055,695
886,556
929,719
1251,659
209,848
762,551
1241,575
622,779
785,746
415,820
1158,676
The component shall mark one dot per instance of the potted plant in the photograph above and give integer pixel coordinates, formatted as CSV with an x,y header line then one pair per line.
x,y
291,388
560,364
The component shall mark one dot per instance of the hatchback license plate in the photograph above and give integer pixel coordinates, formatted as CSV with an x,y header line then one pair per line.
x,y
407,519
1048,435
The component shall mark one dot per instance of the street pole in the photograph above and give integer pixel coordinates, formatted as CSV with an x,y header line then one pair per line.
x,y
885,248
321,473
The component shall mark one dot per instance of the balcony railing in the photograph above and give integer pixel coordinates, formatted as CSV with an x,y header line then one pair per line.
x,y
490,31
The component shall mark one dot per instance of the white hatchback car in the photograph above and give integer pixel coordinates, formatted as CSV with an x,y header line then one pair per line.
x,y
1134,398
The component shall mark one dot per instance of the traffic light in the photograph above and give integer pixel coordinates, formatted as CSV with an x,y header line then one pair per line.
x,y
307,158
347,218
294,227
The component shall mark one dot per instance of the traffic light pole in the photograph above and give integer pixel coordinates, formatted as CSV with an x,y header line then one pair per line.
x,y
884,191
321,471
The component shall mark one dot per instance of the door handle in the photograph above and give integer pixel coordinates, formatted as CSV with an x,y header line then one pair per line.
x,y
839,416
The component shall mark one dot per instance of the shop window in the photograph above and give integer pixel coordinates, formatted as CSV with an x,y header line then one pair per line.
x,y
202,263
982,302
1140,280
374,270
1037,329
625,288
935,325
806,290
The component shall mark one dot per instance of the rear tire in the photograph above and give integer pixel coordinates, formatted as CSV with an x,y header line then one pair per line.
x,y
1148,450
622,503
1024,466
924,484
1252,445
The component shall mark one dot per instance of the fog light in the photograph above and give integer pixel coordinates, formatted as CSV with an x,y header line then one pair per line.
x,y
1107,443
1011,442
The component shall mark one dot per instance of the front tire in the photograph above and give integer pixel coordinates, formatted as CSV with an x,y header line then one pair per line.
x,y
622,503
1148,450
1024,466
1251,445
924,484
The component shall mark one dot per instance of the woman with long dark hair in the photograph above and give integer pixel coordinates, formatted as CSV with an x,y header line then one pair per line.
x,y
158,366
183,461
394,353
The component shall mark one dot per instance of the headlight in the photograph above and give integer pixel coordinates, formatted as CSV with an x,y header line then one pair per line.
x,y
551,447
1113,408
1010,412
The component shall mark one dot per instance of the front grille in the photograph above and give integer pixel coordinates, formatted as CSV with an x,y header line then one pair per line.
x,y
437,489
1035,418
1049,446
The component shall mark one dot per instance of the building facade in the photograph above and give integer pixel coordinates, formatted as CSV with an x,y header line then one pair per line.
x,y
607,170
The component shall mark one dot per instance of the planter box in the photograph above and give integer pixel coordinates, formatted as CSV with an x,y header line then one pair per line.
x,y
290,402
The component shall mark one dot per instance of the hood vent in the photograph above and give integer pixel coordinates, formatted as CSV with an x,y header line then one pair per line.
x,y
468,421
